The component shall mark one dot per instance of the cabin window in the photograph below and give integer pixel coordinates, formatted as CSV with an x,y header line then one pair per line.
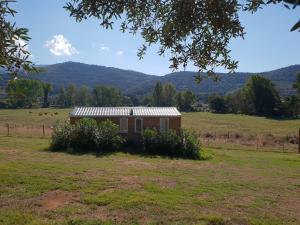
x,y
164,124
138,125
123,125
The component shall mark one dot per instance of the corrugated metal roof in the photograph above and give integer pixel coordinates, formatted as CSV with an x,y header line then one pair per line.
x,y
124,111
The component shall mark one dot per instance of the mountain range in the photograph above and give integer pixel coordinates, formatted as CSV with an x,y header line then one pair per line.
x,y
136,83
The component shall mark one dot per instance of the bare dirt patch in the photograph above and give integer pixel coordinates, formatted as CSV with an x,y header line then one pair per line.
x,y
56,199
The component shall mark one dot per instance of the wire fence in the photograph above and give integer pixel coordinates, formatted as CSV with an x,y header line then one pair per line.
x,y
221,140
259,142
26,130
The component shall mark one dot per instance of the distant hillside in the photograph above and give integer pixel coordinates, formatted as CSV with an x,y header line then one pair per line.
x,y
283,79
133,83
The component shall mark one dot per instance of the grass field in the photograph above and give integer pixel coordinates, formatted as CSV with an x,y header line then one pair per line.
x,y
233,187
33,116
200,121
249,125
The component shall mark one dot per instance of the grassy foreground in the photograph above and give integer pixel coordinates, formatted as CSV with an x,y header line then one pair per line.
x,y
234,187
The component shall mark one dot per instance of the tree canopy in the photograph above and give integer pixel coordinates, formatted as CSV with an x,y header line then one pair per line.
x,y
14,55
24,93
192,31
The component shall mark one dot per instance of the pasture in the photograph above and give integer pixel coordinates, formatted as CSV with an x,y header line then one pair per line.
x,y
38,186
216,130
199,121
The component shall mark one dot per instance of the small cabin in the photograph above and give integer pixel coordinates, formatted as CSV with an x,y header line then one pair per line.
x,y
132,120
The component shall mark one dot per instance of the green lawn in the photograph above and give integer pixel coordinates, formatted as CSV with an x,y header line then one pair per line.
x,y
234,187
32,116
242,124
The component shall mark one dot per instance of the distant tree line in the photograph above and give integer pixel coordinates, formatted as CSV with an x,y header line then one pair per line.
x,y
28,93
84,96
105,96
258,97
167,95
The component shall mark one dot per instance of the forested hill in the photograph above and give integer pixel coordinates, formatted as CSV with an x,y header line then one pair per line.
x,y
132,82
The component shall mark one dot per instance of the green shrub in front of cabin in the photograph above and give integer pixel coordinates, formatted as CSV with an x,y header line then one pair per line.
x,y
107,136
189,144
61,136
182,144
150,141
83,136
86,136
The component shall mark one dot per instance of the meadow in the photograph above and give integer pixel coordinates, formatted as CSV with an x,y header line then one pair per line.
x,y
38,186
216,130
199,121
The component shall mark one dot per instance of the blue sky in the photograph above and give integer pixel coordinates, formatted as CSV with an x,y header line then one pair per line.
x,y
56,37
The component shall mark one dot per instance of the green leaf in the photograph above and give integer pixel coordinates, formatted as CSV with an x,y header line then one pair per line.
x,y
296,26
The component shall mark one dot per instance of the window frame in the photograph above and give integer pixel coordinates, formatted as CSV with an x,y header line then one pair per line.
x,y
123,131
161,122
142,124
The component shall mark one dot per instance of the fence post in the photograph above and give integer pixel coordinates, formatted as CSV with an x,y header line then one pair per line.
x,y
43,130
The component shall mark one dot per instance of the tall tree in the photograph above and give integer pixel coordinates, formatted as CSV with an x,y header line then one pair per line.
x,y
169,92
24,93
46,89
262,95
106,96
70,95
158,94
62,98
192,31
82,97
185,100
238,102
291,106
217,104
296,85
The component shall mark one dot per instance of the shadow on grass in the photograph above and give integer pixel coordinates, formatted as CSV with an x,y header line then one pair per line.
x,y
204,154
80,152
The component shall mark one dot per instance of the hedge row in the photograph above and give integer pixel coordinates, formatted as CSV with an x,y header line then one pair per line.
x,y
87,136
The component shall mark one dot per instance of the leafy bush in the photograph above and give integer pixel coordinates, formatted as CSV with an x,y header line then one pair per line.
x,y
107,136
61,136
86,135
183,144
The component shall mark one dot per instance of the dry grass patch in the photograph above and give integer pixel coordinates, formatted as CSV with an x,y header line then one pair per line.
x,y
57,199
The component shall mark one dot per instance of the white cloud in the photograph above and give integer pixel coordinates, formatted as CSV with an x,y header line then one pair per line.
x,y
104,48
60,46
119,53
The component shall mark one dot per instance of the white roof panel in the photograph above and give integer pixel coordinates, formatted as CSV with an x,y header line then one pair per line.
x,y
124,111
